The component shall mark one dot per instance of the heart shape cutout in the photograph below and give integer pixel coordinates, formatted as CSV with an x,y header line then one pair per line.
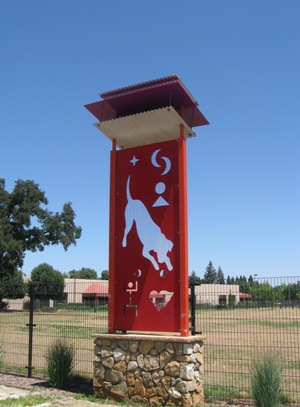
x,y
160,299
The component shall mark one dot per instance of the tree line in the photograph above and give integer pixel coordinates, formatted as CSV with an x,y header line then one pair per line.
x,y
259,291
45,282
213,276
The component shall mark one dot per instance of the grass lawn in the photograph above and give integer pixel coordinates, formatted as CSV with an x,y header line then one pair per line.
x,y
234,338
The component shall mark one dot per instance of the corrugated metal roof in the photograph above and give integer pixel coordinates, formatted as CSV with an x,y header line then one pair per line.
x,y
141,85
245,296
146,96
96,288
145,128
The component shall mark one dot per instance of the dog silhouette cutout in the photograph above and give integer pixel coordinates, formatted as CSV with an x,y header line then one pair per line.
x,y
149,233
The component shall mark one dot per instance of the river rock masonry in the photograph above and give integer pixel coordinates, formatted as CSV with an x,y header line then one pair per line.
x,y
155,370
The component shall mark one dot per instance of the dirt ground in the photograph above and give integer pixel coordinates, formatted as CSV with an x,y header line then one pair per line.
x,y
15,386
14,393
18,385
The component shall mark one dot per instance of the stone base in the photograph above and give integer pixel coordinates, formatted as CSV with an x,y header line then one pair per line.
x,y
154,370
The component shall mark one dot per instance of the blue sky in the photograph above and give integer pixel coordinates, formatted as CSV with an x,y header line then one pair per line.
x,y
240,60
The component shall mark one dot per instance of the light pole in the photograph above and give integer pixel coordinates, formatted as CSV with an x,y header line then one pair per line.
x,y
255,275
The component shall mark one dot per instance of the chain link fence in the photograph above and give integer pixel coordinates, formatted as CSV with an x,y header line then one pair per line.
x,y
240,323
82,312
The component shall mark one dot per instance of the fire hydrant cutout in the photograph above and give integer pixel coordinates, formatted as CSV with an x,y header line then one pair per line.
x,y
147,237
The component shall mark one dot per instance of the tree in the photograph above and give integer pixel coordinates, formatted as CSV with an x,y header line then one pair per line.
x,y
245,286
84,273
220,279
12,286
194,278
280,292
104,275
292,291
47,283
263,292
25,225
210,274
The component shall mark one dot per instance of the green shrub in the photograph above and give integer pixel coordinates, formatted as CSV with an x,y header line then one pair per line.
x,y
60,360
266,381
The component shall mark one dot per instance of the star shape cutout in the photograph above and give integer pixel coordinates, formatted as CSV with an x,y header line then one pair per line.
x,y
134,160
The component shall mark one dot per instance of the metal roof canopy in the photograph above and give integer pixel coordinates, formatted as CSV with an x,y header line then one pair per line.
x,y
145,128
147,112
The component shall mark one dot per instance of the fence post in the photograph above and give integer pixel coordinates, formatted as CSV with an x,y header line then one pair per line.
x,y
31,325
192,285
193,306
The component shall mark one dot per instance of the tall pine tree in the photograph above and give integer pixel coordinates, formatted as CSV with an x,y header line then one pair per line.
x,y
220,276
210,275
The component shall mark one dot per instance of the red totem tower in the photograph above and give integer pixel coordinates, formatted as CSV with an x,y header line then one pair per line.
x,y
148,124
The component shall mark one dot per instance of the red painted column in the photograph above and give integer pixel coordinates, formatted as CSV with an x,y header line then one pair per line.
x,y
112,240
183,230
